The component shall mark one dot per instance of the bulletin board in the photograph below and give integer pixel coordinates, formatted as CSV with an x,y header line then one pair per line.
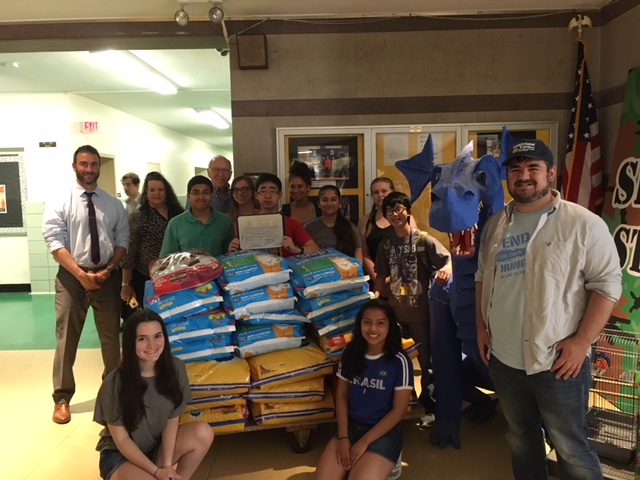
x,y
13,194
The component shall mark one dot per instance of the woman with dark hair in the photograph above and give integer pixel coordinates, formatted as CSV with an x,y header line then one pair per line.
x,y
375,380
332,229
243,198
301,208
158,205
140,403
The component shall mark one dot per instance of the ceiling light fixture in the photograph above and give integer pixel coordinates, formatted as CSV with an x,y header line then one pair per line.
x,y
128,66
211,117
216,14
181,17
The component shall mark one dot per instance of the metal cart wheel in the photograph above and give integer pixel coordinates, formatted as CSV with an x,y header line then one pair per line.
x,y
301,443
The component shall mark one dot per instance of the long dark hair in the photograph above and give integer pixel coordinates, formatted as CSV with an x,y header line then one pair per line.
x,y
132,385
374,208
233,211
173,205
345,242
353,361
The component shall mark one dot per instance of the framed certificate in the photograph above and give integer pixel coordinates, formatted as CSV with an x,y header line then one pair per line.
x,y
259,232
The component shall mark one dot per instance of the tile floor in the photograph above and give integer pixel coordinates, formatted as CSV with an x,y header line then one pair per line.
x,y
33,447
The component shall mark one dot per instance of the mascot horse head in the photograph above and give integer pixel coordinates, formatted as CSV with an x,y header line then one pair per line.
x,y
465,192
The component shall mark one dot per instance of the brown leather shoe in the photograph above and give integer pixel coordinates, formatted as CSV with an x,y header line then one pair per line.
x,y
62,413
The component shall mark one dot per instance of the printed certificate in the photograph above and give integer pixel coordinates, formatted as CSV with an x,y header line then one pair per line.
x,y
259,232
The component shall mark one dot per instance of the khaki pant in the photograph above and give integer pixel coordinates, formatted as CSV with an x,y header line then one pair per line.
x,y
72,305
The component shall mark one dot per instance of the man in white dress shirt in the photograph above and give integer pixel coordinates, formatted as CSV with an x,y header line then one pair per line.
x,y
87,233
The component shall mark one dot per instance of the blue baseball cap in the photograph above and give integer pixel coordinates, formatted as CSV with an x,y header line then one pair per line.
x,y
530,148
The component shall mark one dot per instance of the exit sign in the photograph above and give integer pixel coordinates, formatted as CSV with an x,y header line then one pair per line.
x,y
89,127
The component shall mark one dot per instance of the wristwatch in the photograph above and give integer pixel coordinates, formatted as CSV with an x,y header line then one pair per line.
x,y
110,268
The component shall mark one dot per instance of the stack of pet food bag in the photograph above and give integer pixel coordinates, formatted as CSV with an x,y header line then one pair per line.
x,y
244,303
287,375
258,294
331,287
184,293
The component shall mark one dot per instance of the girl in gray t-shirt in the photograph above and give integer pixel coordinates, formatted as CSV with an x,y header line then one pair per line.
x,y
140,403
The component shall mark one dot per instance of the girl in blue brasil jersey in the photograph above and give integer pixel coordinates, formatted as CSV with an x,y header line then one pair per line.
x,y
375,380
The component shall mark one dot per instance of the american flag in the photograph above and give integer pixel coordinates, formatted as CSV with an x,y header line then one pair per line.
x,y
582,176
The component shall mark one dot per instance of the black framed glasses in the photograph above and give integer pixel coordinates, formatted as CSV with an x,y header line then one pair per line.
x,y
397,210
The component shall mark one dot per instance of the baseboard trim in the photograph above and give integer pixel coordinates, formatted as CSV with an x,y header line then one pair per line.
x,y
15,288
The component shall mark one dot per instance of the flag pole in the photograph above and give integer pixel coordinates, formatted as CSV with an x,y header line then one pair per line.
x,y
583,166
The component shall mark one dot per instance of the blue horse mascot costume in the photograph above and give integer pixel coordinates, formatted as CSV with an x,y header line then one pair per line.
x,y
464,195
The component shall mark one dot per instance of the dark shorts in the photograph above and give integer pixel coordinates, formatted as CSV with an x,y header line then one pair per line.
x,y
111,460
388,446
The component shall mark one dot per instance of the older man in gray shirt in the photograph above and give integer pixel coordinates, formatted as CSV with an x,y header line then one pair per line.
x,y
87,233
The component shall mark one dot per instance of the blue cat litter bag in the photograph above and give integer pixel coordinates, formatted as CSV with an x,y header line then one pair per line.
x,y
324,272
219,317
270,298
217,347
339,322
282,316
256,340
324,307
174,306
251,269
197,327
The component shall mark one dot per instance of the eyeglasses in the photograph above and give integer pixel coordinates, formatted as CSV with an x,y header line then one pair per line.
x,y
200,193
268,193
398,210
218,171
242,190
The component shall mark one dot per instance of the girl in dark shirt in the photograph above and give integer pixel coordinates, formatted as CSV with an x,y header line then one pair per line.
x,y
302,208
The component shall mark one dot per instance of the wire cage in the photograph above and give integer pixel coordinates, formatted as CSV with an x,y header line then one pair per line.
x,y
614,397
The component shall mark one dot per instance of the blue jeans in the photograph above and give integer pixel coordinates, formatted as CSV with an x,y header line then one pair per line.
x,y
527,402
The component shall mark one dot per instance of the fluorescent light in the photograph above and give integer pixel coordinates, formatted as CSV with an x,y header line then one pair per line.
x,y
224,113
128,66
211,117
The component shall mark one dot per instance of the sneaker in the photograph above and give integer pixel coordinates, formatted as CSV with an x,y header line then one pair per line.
x,y
427,421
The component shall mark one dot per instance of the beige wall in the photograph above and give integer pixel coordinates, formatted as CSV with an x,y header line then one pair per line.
x,y
525,67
